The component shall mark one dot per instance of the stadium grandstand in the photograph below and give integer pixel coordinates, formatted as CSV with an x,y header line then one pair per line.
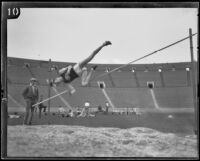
x,y
127,89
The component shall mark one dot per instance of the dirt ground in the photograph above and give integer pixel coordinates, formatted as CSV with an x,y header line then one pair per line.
x,y
78,141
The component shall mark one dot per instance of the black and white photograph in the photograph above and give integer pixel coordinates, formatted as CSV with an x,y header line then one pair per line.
x,y
115,80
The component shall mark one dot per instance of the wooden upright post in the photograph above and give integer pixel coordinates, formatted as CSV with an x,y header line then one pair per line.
x,y
49,90
194,85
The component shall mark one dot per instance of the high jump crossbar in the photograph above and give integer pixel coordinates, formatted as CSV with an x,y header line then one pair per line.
x,y
65,91
122,66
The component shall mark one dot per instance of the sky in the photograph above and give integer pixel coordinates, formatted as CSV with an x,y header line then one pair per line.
x,y
72,34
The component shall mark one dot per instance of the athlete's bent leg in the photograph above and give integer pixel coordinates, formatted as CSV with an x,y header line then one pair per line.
x,y
85,78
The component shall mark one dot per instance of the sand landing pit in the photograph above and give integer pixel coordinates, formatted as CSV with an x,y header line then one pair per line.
x,y
77,141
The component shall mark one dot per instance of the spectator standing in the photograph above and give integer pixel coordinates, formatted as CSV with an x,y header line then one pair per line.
x,y
107,107
31,96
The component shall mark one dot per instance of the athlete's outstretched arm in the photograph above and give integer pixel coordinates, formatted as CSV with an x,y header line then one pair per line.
x,y
88,59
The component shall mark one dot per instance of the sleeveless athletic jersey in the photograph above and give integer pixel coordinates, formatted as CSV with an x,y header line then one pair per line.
x,y
71,76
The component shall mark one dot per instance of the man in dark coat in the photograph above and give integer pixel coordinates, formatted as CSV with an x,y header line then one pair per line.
x,y
31,95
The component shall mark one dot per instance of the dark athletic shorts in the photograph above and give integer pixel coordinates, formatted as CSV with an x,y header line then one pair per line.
x,y
71,76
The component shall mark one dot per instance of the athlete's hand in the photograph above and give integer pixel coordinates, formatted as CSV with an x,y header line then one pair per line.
x,y
72,92
107,43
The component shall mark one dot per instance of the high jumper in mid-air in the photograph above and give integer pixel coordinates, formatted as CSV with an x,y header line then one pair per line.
x,y
69,73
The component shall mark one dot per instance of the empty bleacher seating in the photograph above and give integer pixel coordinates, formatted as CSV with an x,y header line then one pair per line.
x,y
121,87
124,79
150,76
175,78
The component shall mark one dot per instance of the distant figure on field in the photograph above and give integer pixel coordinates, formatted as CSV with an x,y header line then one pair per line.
x,y
70,113
61,110
86,110
100,109
107,108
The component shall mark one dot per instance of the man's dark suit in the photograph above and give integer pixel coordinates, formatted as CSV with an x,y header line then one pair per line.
x,y
31,96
